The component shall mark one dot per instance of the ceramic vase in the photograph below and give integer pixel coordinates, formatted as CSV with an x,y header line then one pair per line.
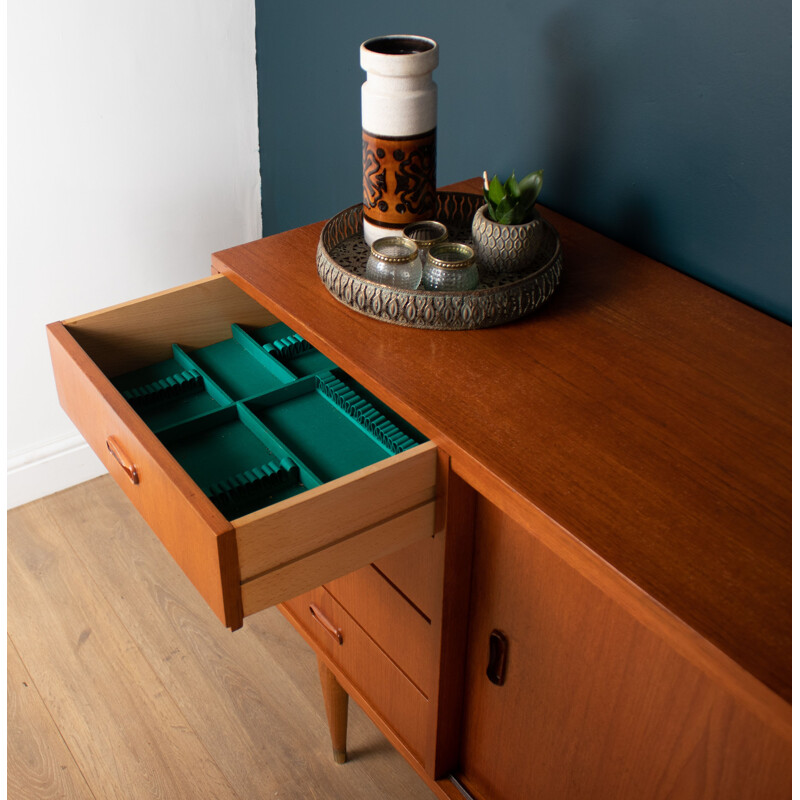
x,y
505,248
398,123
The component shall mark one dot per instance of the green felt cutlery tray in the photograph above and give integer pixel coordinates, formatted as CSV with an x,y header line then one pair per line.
x,y
262,416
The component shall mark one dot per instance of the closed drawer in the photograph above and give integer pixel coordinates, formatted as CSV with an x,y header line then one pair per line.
x,y
401,631
385,687
417,572
184,469
396,601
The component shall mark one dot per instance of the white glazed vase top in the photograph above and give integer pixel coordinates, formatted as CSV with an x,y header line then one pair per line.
x,y
398,122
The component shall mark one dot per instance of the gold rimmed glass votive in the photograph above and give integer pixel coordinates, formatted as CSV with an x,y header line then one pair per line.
x,y
450,267
425,235
394,261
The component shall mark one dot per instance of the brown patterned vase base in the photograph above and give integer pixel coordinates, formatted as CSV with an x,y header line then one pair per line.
x,y
399,176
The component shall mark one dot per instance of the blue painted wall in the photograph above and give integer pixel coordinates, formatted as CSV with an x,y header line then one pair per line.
x,y
666,126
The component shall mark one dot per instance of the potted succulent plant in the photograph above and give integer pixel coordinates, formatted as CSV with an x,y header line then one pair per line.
x,y
507,231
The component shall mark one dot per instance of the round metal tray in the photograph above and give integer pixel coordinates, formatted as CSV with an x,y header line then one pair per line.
x,y
342,258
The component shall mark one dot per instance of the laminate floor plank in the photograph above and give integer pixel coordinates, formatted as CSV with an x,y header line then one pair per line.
x,y
126,734
39,763
252,697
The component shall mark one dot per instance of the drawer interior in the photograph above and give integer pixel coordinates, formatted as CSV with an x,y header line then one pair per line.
x,y
261,416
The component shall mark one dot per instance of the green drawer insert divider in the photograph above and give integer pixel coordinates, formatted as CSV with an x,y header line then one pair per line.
x,y
266,359
364,413
169,392
250,487
289,347
291,350
239,370
239,465
181,383
182,357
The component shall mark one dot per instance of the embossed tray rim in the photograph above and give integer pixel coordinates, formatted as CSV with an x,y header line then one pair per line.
x,y
454,209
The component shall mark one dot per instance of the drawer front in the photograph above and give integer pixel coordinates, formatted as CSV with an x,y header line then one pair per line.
x,y
334,529
385,688
417,572
400,630
239,565
197,536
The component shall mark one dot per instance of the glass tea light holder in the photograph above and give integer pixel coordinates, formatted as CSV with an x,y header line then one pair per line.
x,y
450,267
394,261
425,235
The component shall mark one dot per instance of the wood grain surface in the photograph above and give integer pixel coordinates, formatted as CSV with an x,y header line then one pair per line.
x,y
644,414
141,332
450,626
150,695
39,764
332,562
595,706
416,572
80,657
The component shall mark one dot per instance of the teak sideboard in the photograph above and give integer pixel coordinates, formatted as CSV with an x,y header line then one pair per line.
x,y
572,581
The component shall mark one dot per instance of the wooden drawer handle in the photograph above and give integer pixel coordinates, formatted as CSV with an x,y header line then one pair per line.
x,y
316,612
498,650
121,459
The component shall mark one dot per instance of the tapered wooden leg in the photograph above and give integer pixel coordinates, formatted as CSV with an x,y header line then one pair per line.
x,y
336,708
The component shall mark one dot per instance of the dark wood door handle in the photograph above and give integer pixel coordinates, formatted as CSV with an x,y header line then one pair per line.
x,y
122,460
331,629
498,652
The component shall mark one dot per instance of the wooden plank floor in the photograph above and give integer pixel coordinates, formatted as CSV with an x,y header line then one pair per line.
x,y
122,683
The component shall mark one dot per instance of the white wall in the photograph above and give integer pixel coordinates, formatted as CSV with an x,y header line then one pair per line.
x,y
133,155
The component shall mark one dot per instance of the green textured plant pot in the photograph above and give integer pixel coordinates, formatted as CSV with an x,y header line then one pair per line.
x,y
505,248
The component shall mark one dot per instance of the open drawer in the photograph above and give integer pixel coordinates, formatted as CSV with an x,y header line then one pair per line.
x,y
264,470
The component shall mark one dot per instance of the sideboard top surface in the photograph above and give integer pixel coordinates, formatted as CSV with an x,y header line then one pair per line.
x,y
646,414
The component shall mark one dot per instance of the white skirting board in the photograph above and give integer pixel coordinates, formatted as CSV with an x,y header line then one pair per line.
x,y
50,468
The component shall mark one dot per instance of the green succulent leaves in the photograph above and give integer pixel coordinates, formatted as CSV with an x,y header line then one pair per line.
x,y
512,203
